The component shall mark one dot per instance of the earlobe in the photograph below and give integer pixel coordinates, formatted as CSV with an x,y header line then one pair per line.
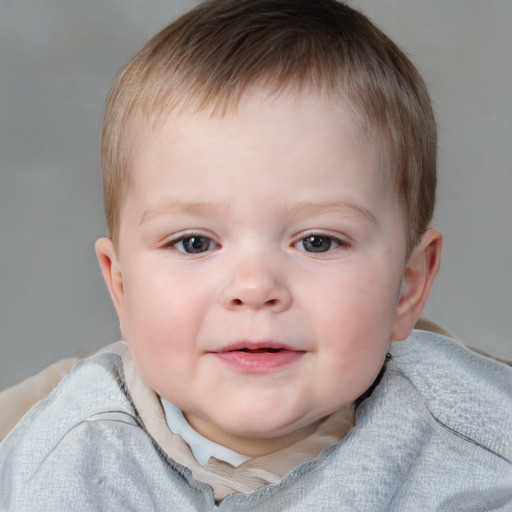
x,y
111,270
421,269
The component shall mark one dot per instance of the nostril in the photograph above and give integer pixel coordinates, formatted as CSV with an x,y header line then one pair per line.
x,y
240,302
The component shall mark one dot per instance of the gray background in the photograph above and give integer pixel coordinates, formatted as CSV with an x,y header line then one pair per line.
x,y
57,61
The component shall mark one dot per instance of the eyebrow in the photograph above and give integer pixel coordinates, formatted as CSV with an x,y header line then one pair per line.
x,y
175,207
302,208
342,208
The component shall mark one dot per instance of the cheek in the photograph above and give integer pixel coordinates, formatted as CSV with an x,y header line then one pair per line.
x,y
358,299
163,312
163,319
352,324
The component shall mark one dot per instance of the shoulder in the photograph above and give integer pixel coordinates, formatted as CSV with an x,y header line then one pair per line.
x,y
86,447
61,430
469,394
435,433
17,400
94,386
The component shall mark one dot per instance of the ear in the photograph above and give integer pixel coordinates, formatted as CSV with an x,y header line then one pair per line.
x,y
111,270
420,272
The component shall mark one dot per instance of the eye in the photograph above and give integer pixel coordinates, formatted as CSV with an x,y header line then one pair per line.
x,y
318,243
194,244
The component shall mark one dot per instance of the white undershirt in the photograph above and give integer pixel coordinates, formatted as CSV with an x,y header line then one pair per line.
x,y
201,448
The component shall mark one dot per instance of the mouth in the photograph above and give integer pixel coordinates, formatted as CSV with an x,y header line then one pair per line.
x,y
262,350
261,357
257,347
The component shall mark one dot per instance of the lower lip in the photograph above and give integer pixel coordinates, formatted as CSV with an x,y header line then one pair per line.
x,y
259,362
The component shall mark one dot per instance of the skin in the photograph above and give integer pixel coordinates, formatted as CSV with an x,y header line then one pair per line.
x,y
269,226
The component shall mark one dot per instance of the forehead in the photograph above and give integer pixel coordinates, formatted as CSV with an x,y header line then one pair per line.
x,y
265,133
301,111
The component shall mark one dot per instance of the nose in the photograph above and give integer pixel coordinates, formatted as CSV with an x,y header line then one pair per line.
x,y
256,283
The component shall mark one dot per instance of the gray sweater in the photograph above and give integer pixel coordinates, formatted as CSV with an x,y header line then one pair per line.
x,y
435,434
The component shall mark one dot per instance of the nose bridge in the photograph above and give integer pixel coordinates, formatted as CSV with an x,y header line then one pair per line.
x,y
256,279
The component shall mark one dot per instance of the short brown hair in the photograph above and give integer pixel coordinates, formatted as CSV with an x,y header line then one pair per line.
x,y
211,55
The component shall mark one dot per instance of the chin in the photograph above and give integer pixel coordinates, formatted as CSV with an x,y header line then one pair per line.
x,y
264,425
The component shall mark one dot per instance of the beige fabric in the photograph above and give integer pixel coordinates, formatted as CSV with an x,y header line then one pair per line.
x,y
423,324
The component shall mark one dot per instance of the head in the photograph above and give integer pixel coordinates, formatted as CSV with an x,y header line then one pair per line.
x,y
213,54
269,172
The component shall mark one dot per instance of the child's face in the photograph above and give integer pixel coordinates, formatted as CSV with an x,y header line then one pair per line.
x,y
261,259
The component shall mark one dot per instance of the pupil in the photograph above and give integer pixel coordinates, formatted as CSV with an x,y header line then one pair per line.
x,y
317,244
196,244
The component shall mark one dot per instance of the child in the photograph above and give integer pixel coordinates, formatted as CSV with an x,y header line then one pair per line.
x,y
269,180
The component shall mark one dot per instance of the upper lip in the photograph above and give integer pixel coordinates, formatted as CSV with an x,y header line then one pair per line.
x,y
256,345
